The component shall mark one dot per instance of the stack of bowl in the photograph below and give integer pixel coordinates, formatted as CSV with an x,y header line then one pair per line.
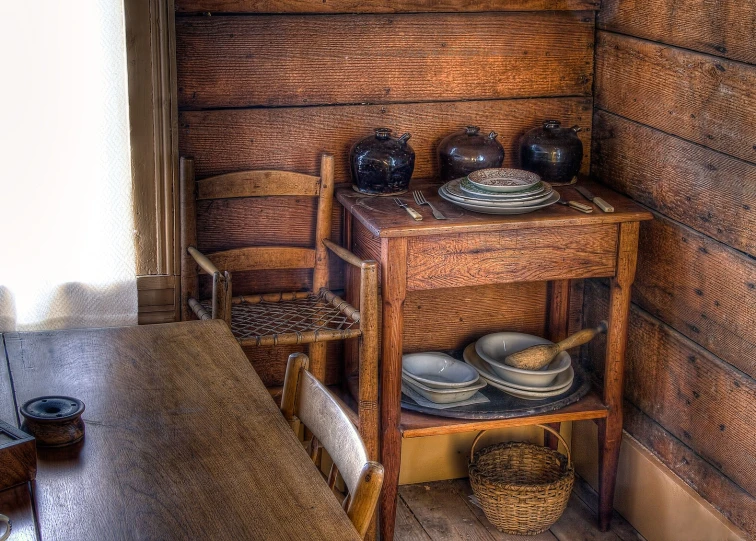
x,y
487,357
440,378
500,191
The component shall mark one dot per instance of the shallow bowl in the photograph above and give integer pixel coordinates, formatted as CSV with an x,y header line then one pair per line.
x,y
438,370
503,179
444,396
494,348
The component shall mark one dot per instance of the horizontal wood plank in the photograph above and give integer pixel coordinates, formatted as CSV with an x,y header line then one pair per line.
x,y
698,97
692,394
702,288
709,191
228,224
719,28
378,6
293,138
501,257
270,362
417,425
726,496
340,59
460,316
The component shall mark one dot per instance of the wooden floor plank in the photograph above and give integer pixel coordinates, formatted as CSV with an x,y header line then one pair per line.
x,y
408,528
442,511
620,526
579,522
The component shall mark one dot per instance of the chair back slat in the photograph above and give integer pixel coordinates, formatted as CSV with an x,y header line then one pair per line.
x,y
322,415
258,184
264,258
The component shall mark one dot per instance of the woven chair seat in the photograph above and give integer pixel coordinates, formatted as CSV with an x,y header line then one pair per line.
x,y
298,321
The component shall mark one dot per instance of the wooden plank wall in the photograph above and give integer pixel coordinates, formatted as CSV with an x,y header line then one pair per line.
x,y
273,84
675,97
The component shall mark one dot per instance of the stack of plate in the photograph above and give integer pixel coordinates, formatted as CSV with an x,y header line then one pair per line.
x,y
500,191
487,357
440,378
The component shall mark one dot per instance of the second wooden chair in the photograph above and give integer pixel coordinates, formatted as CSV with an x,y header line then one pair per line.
x,y
283,318
307,400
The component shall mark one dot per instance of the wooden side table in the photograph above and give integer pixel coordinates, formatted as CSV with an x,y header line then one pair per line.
x,y
556,244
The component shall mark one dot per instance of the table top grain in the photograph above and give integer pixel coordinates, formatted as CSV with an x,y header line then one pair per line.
x,y
384,218
182,440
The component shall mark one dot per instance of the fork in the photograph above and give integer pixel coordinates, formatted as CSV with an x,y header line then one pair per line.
x,y
420,200
412,212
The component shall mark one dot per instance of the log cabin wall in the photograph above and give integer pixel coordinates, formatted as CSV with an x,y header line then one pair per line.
x,y
272,84
675,128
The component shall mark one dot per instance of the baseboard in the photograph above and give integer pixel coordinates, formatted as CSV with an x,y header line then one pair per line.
x,y
659,505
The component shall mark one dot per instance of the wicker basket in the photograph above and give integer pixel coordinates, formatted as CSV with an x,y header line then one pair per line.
x,y
522,488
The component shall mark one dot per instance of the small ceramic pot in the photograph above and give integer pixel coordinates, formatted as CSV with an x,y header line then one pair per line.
x,y
54,421
552,152
381,164
465,151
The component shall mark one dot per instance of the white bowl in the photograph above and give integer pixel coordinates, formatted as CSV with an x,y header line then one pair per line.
x,y
443,396
494,348
438,370
561,384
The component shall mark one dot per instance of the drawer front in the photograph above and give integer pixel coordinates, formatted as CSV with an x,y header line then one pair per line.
x,y
525,255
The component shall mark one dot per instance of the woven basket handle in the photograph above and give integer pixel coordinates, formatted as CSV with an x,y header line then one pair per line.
x,y
557,434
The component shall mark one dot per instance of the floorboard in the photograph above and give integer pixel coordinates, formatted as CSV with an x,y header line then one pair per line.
x,y
442,511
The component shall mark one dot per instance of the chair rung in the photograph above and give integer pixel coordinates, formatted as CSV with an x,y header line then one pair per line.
x,y
199,310
307,337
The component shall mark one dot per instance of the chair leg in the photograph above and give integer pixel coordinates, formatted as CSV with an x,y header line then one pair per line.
x,y
317,354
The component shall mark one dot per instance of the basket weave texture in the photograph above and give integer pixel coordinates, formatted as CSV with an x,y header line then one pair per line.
x,y
522,488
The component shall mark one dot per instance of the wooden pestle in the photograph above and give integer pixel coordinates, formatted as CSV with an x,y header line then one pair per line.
x,y
536,357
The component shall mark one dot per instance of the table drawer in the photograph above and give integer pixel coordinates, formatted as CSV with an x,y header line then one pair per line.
x,y
523,255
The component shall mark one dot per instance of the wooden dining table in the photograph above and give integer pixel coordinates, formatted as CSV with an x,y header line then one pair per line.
x,y
182,441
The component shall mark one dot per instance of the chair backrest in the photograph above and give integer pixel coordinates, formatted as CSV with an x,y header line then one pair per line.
x,y
307,399
246,184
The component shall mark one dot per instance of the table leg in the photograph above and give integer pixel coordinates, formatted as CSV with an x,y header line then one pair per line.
x,y
558,322
610,429
393,290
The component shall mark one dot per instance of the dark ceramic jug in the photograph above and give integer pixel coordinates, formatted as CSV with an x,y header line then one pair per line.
x,y
552,152
381,164
465,151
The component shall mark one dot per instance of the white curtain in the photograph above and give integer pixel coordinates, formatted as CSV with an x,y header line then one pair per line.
x,y
66,225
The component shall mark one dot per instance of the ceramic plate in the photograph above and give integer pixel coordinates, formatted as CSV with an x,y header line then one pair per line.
x,y
453,190
472,190
562,381
503,179
503,211
438,370
444,396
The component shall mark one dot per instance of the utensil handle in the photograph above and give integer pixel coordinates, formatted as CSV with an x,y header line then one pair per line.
x,y
582,337
436,214
580,206
412,212
603,205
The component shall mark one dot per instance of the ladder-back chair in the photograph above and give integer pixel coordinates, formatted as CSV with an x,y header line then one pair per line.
x,y
283,318
308,401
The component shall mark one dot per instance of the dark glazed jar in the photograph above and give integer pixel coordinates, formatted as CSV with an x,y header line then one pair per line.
x,y
381,164
465,151
552,152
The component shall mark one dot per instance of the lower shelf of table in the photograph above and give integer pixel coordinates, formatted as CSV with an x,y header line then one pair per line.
x,y
416,425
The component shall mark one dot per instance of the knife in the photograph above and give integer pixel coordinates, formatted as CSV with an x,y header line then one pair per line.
x,y
600,203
